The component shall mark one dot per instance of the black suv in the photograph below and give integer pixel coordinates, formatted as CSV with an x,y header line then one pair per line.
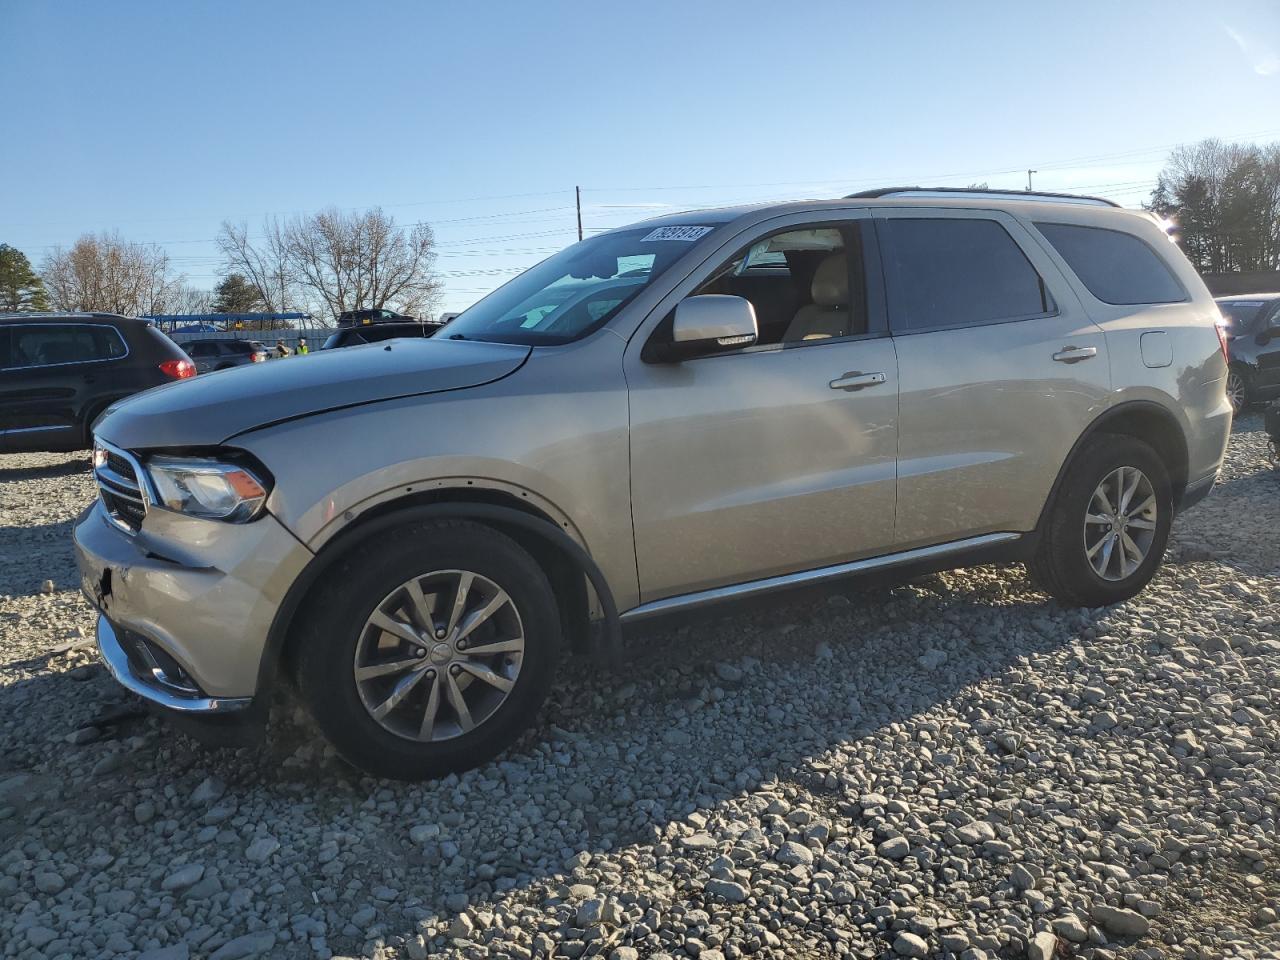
x,y
220,354
1252,323
59,371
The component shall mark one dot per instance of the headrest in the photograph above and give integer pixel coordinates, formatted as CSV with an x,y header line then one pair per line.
x,y
831,282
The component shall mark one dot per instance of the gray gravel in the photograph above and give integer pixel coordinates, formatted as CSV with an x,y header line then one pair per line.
x,y
953,768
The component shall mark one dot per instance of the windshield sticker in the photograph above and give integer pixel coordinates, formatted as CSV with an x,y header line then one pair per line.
x,y
688,234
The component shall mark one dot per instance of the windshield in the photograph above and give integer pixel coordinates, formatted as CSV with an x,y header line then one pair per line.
x,y
577,290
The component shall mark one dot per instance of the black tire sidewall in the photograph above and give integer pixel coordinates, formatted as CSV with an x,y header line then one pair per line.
x,y
362,580
1100,459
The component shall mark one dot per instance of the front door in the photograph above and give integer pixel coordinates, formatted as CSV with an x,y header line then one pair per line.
x,y
779,457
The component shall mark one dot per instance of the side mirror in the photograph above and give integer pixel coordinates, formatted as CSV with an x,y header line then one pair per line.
x,y
708,324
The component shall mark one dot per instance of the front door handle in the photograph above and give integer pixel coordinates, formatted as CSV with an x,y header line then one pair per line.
x,y
1075,354
856,380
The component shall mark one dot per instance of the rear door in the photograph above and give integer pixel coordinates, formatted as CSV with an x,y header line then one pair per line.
x,y
1000,369
203,354
1268,340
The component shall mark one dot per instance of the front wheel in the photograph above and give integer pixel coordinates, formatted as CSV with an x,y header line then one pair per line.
x,y
429,654
1108,525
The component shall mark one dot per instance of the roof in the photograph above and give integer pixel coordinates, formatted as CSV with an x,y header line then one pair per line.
x,y
30,316
1039,206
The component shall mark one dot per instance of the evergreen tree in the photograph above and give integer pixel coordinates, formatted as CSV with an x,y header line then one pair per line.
x,y
235,294
20,287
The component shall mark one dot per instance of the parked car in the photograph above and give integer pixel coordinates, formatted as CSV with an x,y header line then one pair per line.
x,y
355,318
376,333
1252,323
726,404
59,371
220,354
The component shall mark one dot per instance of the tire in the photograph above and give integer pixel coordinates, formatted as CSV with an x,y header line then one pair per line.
x,y
1239,384
337,640
1062,565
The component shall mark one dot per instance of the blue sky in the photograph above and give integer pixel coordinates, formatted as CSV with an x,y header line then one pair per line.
x,y
162,119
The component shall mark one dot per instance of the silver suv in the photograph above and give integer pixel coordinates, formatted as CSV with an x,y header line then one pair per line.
x,y
699,408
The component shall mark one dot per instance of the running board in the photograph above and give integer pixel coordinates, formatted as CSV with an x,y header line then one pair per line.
x,y
754,588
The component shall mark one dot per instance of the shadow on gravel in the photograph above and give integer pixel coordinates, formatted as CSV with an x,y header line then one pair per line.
x,y
64,469
704,738
33,553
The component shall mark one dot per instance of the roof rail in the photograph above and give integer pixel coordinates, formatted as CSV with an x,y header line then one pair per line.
x,y
943,193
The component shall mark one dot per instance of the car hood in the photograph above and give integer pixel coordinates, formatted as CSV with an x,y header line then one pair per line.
x,y
211,408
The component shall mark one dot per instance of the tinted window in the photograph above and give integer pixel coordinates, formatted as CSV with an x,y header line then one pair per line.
x,y
950,273
50,344
378,334
1116,267
204,349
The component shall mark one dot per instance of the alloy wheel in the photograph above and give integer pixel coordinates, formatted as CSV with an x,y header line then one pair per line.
x,y
1120,523
1235,391
439,655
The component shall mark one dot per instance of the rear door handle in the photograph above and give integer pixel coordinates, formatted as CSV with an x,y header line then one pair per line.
x,y
1075,354
856,380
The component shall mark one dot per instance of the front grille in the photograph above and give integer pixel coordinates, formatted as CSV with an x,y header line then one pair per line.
x,y
119,488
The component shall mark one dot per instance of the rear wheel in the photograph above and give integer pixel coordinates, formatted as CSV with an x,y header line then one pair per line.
x,y
1238,387
1108,526
429,654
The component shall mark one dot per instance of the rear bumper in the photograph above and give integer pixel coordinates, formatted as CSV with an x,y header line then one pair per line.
x,y
1197,491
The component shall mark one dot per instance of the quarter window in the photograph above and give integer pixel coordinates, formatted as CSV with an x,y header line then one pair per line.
x,y
1117,267
957,273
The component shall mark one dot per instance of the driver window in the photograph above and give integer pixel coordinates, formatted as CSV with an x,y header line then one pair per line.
x,y
806,284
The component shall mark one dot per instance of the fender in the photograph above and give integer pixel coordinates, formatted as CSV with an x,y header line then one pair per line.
x,y
1099,425
611,642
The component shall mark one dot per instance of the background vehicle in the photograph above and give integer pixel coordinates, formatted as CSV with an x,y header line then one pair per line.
x,y
1252,324
59,371
220,354
377,332
704,407
360,317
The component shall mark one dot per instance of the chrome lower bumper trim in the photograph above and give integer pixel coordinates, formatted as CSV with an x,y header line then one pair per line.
x,y
117,661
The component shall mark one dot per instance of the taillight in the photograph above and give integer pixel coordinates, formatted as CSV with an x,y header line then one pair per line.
x,y
178,369
257,357
1221,331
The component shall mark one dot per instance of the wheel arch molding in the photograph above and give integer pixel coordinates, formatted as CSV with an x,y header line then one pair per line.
x,y
1146,420
571,567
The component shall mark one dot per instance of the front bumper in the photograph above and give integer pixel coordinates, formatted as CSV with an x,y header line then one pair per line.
x,y
145,675
186,605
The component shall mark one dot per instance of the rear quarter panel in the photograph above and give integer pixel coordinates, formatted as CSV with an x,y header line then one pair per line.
x,y
1192,386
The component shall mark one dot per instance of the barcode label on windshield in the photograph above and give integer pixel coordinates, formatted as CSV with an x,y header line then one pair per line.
x,y
688,234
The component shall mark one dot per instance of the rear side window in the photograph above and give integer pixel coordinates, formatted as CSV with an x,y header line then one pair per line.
x,y
957,273
1117,267
51,344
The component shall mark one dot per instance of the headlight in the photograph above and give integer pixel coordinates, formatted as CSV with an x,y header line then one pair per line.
x,y
207,488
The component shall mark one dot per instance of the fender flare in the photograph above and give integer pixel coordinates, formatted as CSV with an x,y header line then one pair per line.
x,y
611,645
1099,425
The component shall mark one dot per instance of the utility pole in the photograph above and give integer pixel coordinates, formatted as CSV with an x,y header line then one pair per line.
x,y
1029,173
577,192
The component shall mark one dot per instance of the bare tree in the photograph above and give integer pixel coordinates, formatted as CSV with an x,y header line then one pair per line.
x,y
104,272
263,261
351,261
185,299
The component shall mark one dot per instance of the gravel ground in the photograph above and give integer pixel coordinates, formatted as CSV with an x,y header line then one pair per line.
x,y
953,768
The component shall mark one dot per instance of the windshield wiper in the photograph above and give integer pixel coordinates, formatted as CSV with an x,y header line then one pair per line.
x,y
456,336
